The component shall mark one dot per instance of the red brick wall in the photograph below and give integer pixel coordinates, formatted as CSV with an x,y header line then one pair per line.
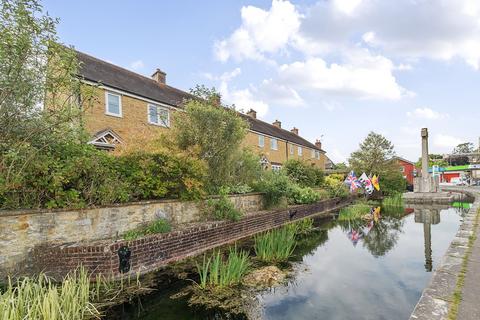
x,y
407,170
152,252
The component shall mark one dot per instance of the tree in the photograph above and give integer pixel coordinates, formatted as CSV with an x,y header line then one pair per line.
x,y
340,166
215,134
434,159
466,147
375,156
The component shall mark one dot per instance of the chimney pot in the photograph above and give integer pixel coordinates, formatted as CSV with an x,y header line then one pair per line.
x,y
318,144
252,113
159,76
277,124
295,130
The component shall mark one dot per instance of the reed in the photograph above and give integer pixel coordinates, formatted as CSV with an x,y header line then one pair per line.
x,y
276,245
303,227
355,211
395,200
217,272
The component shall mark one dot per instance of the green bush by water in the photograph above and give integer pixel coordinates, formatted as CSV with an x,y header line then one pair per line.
x,y
159,226
222,208
276,245
217,272
355,211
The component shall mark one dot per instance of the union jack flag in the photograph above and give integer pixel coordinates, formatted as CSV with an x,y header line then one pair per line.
x,y
352,182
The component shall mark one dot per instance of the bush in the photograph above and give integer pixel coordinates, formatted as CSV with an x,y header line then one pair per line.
x,y
303,173
158,226
76,175
222,208
299,195
335,186
276,186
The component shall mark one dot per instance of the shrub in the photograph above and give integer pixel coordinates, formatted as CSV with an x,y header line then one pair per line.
x,y
299,195
275,245
303,173
276,186
158,226
334,185
222,208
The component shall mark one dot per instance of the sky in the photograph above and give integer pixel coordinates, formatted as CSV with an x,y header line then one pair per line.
x,y
335,69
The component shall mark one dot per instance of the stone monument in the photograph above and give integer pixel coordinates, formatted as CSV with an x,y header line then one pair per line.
x,y
425,182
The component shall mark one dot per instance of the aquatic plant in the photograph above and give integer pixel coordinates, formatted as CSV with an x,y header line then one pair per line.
x,y
302,227
40,298
355,211
217,272
276,245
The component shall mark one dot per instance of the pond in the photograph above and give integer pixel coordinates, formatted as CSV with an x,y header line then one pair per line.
x,y
343,270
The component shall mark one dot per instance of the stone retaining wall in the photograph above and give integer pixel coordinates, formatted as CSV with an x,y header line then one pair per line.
x,y
21,231
436,298
152,252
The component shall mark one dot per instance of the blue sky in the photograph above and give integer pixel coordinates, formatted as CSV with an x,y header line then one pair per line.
x,y
335,69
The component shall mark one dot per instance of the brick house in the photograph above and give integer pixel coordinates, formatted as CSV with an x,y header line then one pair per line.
x,y
131,110
407,168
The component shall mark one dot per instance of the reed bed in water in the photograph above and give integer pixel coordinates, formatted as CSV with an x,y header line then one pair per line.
x,y
276,245
395,200
217,272
355,211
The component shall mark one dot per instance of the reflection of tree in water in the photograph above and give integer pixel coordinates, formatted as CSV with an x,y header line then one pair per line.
x,y
383,236
307,244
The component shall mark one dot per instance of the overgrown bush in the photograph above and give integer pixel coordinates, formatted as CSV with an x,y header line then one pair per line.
x,y
222,208
302,195
334,185
158,226
276,187
304,174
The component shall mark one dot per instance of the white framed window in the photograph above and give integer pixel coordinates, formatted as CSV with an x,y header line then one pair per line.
x,y
292,149
317,155
261,141
276,167
159,116
273,144
300,151
113,104
402,169
312,153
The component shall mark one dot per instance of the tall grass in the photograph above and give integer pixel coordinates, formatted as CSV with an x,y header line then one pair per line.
x,y
40,298
217,272
276,245
355,211
303,227
395,200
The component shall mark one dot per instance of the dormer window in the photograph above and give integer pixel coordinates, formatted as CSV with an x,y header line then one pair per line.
x,y
159,116
113,104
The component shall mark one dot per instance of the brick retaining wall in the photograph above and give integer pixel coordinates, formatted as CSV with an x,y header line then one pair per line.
x,y
152,252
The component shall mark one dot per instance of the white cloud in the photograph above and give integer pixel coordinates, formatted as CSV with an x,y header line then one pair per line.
x,y
426,113
137,65
363,75
261,32
446,141
346,6
279,94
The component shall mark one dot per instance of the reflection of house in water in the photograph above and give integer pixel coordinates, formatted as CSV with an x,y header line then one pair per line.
x,y
427,216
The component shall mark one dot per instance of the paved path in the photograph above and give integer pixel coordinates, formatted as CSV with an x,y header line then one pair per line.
x,y
462,260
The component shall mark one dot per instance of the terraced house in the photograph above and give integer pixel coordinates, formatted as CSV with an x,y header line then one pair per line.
x,y
131,110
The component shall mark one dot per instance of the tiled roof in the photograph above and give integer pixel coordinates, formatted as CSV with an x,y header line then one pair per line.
x,y
271,130
97,70
113,76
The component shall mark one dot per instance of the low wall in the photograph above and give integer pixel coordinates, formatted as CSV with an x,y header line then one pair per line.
x,y
21,231
152,252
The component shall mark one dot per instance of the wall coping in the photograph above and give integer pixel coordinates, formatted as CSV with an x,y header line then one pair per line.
x,y
22,212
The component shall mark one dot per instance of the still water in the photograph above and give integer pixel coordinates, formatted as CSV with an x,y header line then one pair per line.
x,y
345,270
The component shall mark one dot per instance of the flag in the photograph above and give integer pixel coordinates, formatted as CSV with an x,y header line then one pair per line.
x,y
352,182
376,214
367,184
375,183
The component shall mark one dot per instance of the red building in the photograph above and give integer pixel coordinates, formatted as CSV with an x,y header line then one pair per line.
x,y
407,168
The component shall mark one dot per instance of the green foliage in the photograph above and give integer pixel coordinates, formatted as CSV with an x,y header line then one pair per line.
x,y
215,134
303,174
222,208
215,272
466,147
276,186
335,187
392,182
303,227
158,226
276,245
355,211
433,159
395,200
299,195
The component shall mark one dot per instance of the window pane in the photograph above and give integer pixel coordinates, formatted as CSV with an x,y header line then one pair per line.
x,y
152,114
273,144
300,151
291,149
164,117
113,104
261,141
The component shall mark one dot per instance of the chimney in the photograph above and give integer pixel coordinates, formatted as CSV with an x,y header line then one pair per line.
x,y
252,113
159,76
318,144
277,124
294,130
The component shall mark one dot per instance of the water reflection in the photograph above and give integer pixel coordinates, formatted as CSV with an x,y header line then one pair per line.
x,y
347,270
